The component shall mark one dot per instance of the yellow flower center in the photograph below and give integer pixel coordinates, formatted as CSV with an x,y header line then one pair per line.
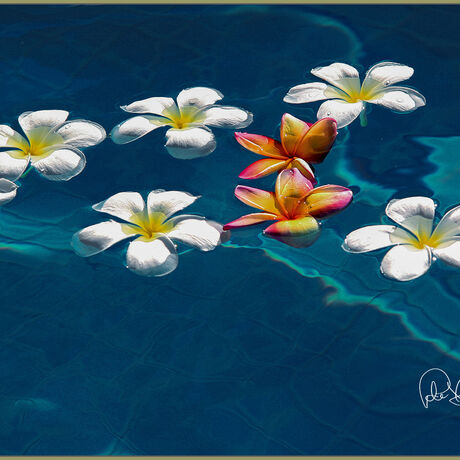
x,y
184,117
40,139
151,225
427,240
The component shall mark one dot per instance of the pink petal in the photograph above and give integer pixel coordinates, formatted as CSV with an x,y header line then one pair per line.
x,y
292,132
250,219
290,189
257,198
326,200
261,144
298,233
262,168
319,140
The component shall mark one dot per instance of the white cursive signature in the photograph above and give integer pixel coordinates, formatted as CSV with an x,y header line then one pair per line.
x,y
434,385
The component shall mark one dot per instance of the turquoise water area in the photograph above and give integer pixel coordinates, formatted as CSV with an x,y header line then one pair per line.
x,y
255,348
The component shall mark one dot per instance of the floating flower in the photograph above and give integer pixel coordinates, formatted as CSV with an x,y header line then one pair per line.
x,y
189,136
153,252
416,245
349,97
51,146
301,143
7,191
295,206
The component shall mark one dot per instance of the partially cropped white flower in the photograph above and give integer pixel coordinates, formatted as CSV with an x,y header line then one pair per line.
x,y
7,191
189,136
416,244
349,97
153,252
51,145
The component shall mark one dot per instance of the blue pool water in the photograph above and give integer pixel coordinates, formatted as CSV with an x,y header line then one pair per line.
x,y
255,348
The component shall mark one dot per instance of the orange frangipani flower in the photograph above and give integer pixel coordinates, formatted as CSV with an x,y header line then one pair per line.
x,y
295,206
301,145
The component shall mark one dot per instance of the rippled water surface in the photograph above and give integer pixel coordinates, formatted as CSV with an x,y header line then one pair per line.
x,y
256,347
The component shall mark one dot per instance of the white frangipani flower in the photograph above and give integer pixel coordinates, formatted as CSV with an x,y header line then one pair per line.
x,y
50,146
7,191
416,244
153,252
189,136
349,97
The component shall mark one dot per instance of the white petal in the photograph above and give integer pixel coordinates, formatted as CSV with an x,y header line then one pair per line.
x,y
189,143
415,213
405,263
198,233
10,138
122,205
155,105
81,133
375,237
42,119
134,128
10,167
311,92
343,76
449,253
152,258
227,117
449,225
62,164
399,98
343,112
389,73
7,191
169,202
198,97
96,238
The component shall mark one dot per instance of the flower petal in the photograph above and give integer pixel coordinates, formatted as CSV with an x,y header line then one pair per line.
x,y
342,75
449,225
291,188
399,98
123,205
415,213
405,262
292,133
257,198
327,200
97,238
449,252
341,111
316,144
189,143
262,168
81,133
262,145
375,237
198,96
153,257
170,202
227,117
298,233
134,128
308,92
155,105
61,164
10,138
198,233
30,121
387,73
250,219
305,169
7,191
12,167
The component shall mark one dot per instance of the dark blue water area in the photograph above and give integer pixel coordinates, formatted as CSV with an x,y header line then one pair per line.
x,y
254,348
